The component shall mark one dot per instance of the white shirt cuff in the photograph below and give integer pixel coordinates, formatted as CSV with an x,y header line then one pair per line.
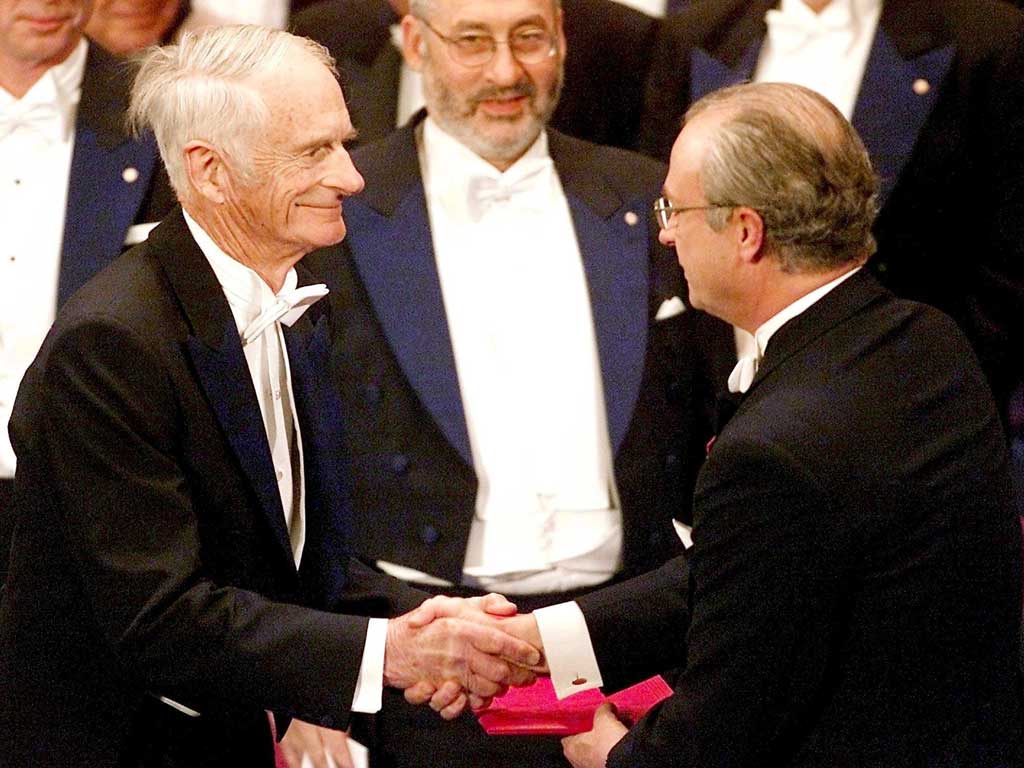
x,y
370,683
568,649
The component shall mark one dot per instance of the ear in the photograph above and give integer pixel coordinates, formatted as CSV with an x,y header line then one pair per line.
x,y
206,171
749,228
412,43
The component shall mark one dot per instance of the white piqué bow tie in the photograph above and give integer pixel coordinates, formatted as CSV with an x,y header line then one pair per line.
x,y
288,308
44,118
485,191
792,30
743,374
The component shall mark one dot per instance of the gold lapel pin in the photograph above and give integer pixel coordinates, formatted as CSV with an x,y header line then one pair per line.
x,y
130,174
631,218
921,86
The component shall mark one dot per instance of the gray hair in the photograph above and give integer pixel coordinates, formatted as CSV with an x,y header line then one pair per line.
x,y
788,153
201,89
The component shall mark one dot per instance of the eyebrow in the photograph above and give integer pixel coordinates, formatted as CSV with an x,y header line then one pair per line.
x,y
473,26
349,136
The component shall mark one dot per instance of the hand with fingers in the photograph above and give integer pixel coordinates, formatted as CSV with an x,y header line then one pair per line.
x,y
305,739
590,749
455,646
492,610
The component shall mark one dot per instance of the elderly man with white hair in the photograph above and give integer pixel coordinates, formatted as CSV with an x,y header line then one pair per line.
x,y
180,562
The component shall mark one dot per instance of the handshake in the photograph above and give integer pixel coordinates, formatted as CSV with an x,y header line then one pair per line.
x,y
453,652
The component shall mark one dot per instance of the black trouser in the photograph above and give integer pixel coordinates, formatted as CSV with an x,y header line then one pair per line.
x,y
404,736
6,524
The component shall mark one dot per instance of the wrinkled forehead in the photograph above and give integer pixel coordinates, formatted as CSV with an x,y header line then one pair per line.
x,y
495,14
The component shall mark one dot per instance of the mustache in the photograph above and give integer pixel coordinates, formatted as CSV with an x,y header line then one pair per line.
x,y
493,93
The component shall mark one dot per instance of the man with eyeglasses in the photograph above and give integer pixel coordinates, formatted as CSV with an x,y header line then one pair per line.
x,y
600,103
853,594
526,389
935,88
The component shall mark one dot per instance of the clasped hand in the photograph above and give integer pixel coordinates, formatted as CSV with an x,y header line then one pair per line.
x,y
453,652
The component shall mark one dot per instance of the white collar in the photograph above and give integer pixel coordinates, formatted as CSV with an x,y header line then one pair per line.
x,y
246,291
801,305
460,163
838,15
60,85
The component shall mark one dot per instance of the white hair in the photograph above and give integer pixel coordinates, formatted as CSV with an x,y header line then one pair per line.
x,y
201,89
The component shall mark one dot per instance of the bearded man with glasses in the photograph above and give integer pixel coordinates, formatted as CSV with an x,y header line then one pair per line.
x,y
525,388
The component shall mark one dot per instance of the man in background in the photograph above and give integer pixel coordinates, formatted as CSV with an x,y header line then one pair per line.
x,y
525,388
606,63
75,188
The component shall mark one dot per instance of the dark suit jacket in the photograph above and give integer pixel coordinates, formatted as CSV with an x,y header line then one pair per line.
x,y
855,578
150,554
414,484
950,159
609,51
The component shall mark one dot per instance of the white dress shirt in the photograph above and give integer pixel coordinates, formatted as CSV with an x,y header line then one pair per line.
x,y
37,138
266,13
825,51
518,310
267,358
563,630
650,7
410,84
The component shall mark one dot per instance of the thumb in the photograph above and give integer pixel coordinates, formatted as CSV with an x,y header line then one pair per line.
x,y
606,713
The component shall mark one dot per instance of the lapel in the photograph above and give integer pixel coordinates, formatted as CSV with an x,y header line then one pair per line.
x,y
215,351
729,58
110,175
911,49
846,299
391,245
615,256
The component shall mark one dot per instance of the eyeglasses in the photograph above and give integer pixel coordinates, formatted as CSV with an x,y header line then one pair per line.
x,y
664,210
472,49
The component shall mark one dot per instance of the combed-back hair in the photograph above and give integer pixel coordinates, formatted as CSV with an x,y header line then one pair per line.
x,y
202,89
788,153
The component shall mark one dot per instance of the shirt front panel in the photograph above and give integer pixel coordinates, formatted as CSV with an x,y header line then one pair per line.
x,y
35,166
522,333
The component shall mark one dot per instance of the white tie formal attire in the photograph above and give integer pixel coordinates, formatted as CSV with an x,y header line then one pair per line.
x,y
259,314
563,630
37,140
516,298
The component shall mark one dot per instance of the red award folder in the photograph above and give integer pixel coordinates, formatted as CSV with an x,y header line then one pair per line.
x,y
534,710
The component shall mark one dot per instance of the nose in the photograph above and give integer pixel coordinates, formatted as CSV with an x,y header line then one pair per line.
x,y
504,68
342,174
667,236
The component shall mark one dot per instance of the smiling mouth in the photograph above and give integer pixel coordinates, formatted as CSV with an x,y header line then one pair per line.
x,y
46,23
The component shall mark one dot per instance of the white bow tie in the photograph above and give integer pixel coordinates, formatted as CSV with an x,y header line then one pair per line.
x,y
528,189
743,374
288,308
791,31
45,118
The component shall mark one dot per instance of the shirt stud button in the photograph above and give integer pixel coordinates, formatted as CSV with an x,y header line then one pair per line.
x,y
580,681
